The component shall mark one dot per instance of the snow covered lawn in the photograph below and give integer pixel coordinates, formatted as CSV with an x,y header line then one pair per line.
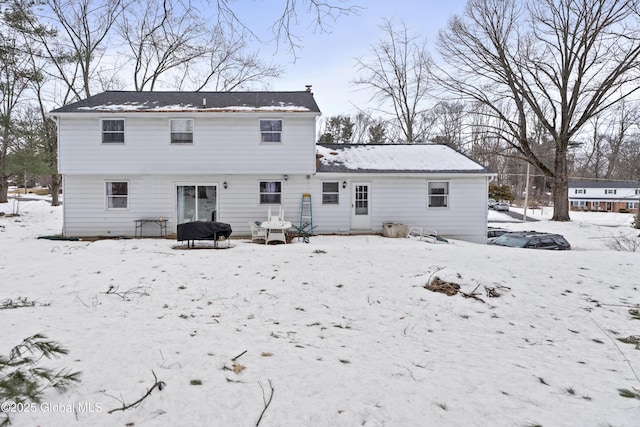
x,y
342,328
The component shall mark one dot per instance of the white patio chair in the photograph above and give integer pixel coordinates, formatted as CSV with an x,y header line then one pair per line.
x,y
275,218
257,232
430,236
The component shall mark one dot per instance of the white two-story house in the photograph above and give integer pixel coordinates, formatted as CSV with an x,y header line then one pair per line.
x,y
230,156
604,195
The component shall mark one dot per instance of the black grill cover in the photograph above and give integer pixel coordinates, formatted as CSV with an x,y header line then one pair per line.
x,y
203,230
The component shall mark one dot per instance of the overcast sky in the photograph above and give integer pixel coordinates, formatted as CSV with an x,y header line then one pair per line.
x,y
327,61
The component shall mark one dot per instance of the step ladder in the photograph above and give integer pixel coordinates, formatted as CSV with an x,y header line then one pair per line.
x,y
306,218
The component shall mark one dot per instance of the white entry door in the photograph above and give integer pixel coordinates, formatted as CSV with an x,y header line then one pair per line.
x,y
361,206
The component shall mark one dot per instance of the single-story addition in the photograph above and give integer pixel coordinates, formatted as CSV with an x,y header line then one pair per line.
x,y
604,195
127,157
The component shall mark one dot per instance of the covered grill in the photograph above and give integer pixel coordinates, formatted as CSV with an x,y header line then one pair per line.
x,y
203,230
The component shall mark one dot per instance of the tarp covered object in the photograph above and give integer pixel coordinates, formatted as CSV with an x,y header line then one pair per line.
x,y
203,230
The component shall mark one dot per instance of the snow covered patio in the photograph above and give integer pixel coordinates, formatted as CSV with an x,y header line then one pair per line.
x,y
342,328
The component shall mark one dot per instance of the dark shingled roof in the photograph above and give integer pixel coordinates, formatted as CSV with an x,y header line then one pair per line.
x,y
131,101
590,183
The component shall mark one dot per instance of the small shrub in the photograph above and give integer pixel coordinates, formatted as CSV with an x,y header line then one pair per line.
x,y
625,244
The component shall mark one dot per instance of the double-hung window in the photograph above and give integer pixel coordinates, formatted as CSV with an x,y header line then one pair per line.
x,y
181,131
610,191
117,193
438,194
271,131
112,131
330,193
270,192
580,191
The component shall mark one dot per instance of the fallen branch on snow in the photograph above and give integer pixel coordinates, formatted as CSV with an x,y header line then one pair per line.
x,y
265,401
156,384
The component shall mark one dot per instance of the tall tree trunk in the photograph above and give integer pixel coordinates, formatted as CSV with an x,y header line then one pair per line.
x,y
561,184
55,186
4,190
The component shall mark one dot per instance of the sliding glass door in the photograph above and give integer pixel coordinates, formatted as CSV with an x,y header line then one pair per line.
x,y
197,203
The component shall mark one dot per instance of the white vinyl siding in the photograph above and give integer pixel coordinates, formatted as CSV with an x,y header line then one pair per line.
x,y
394,199
222,144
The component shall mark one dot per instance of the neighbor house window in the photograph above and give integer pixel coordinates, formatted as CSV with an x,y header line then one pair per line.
x,y
578,203
609,191
270,192
637,192
581,191
438,194
271,130
112,131
632,205
330,193
117,195
181,131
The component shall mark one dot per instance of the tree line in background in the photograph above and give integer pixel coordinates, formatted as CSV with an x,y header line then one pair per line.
x,y
549,83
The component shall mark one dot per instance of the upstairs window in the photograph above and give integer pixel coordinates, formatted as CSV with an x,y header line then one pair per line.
x,y
610,191
330,193
438,194
181,131
113,131
270,192
117,194
581,191
270,131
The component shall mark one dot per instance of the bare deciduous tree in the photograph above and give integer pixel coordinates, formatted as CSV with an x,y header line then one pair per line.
x,y
600,155
85,28
168,40
321,12
399,76
448,120
556,62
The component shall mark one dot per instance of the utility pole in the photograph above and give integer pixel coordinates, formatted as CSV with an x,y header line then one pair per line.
x,y
526,194
638,209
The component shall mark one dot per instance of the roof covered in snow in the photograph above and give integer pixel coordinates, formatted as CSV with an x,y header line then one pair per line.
x,y
398,158
131,101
